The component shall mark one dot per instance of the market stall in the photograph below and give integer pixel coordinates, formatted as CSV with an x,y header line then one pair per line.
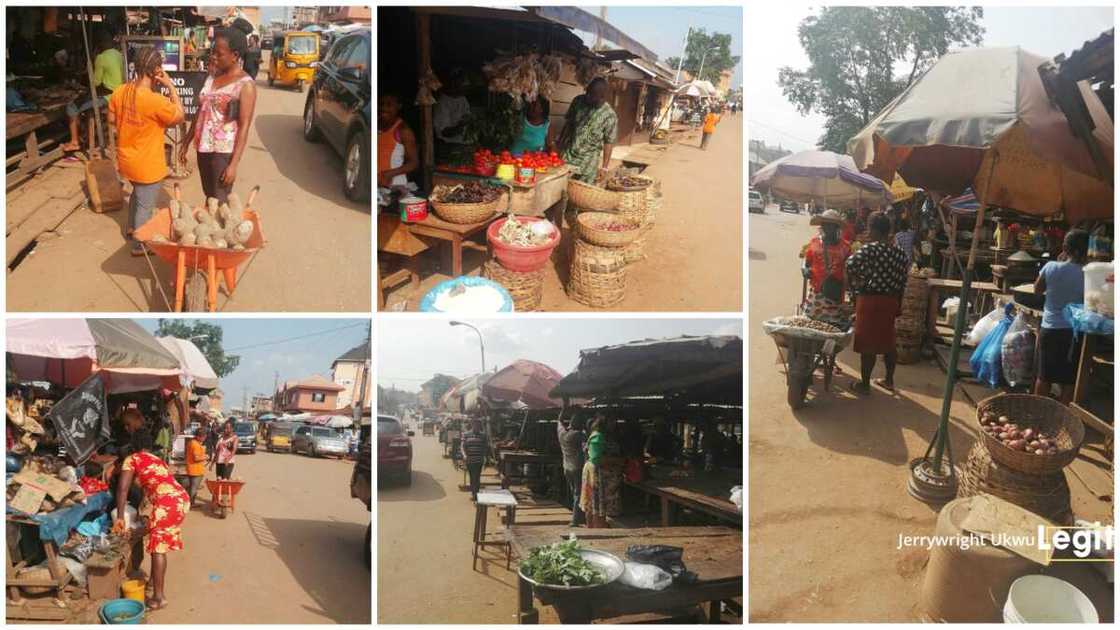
x,y
713,554
68,381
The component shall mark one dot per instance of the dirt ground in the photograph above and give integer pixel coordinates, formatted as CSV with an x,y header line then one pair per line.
x,y
828,496
317,257
293,552
694,254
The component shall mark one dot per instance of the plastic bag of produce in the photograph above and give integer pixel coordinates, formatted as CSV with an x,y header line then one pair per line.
x,y
645,576
987,361
984,326
1017,353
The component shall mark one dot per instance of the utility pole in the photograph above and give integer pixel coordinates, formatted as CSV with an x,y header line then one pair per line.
x,y
598,34
245,399
680,60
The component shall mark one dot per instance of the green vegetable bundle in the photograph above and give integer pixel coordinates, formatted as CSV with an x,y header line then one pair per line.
x,y
561,564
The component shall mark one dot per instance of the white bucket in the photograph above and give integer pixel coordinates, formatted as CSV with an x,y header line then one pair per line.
x,y
1044,599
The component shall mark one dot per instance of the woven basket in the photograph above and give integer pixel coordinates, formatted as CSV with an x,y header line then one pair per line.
x,y
635,251
653,202
648,182
908,354
586,228
465,213
632,205
598,275
1045,495
591,197
35,573
1039,413
526,288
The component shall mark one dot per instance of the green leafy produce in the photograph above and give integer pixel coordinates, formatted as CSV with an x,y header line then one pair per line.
x,y
561,565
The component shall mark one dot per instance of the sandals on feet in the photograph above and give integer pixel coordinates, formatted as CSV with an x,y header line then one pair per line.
x,y
882,382
859,388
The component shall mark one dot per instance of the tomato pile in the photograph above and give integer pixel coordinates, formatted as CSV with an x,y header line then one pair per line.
x,y
486,162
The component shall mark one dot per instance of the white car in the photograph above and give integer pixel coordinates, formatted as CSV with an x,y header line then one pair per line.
x,y
755,202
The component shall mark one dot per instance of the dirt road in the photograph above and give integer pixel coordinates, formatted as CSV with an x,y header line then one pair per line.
x,y
694,254
424,550
828,483
318,252
291,553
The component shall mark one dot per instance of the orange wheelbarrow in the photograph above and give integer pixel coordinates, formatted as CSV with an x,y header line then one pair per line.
x,y
196,268
222,492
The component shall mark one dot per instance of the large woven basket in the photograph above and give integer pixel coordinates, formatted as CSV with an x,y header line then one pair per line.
x,y
653,203
591,197
526,288
586,227
598,275
465,213
1039,413
1045,495
647,182
632,205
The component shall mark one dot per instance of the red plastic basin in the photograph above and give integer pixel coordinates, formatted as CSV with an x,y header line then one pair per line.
x,y
517,258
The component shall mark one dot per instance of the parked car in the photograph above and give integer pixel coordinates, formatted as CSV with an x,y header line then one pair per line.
x,y
317,441
394,450
755,203
338,109
280,437
246,436
361,481
789,206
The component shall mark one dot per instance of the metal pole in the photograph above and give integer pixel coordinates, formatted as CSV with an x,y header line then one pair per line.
x,y
481,345
92,87
680,60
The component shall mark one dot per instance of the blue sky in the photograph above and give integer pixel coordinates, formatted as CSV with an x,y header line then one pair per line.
x,y
292,359
412,349
773,43
662,29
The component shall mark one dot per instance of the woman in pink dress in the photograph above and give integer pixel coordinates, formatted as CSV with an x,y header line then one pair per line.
x,y
220,131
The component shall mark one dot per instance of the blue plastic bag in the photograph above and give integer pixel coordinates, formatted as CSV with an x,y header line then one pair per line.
x,y
987,360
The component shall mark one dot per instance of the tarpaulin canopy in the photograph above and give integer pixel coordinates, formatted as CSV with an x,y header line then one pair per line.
x,y
67,351
523,381
333,421
982,118
464,396
196,369
824,177
697,369
698,88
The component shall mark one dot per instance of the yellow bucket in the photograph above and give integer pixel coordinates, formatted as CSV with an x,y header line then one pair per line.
x,y
133,589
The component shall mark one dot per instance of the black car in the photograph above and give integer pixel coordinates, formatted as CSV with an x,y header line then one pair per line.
x,y
246,437
338,109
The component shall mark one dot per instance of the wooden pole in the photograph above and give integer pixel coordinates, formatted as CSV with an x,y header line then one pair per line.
x,y
424,39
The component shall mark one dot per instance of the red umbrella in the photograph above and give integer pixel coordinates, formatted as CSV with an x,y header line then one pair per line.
x,y
523,381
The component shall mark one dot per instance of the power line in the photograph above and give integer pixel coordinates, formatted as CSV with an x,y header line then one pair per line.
x,y
298,337
753,121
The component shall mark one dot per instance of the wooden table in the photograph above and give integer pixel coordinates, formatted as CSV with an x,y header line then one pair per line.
x,y
457,235
703,494
984,290
27,125
715,554
536,199
508,460
17,606
486,499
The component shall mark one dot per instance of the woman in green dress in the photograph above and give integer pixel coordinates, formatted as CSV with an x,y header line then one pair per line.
x,y
601,495
590,131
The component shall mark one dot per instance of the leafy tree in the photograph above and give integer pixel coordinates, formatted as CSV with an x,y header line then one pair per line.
x,y
718,58
208,338
854,53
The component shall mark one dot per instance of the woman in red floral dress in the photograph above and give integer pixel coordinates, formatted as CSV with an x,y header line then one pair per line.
x,y
165,507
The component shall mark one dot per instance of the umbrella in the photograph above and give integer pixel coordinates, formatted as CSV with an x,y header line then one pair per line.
x,y
811,176
697,89
523,381
982,118
66,351
196,369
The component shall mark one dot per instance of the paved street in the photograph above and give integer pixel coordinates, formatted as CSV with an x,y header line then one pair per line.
x,y
828,483
293,552
317,257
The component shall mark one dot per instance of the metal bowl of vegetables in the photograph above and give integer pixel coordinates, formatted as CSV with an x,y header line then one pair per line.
x,y
565,566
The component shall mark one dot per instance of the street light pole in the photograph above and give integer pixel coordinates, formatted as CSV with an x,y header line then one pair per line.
x,y
481,345
700,74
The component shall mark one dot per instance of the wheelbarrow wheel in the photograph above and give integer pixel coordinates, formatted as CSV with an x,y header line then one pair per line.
x,y
196,293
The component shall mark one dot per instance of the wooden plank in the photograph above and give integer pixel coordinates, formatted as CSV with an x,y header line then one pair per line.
x,y
47,218
54,184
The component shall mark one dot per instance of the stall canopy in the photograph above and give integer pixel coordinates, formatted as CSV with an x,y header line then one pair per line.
x,y
67,351
333,421
982,118
577,18
464,396
698,89
821,176
196,369
693,369
526,382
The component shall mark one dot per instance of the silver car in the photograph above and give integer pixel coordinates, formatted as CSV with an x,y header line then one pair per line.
x,y
317,441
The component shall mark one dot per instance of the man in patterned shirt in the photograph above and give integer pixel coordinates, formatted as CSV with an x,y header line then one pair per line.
x,y
589,133
877,275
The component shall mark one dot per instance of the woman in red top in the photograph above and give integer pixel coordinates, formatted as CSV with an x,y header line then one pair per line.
x,y
825,257
165,507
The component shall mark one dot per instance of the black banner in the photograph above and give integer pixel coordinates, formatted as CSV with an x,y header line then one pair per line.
x,y
81,419
188,85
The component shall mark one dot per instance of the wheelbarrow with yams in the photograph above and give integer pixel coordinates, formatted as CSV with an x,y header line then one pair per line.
x,y
196,267
222,493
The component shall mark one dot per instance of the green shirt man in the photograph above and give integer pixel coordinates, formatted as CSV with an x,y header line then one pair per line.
x,y
108,69
590,131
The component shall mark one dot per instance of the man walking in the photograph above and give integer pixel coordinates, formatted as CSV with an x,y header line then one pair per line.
x,y
572,440
474,446
710,122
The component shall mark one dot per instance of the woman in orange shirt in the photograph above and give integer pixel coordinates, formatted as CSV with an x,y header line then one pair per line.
x,y
141,115
196,463
710,122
